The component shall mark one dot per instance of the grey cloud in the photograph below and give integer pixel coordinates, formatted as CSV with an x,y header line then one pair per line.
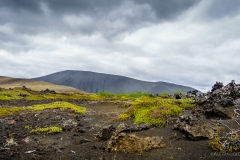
x,y
20,5
79,6
164,8
110,18
169,9
222,8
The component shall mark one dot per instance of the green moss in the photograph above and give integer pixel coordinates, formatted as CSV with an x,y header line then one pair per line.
x,y
155,110
55,105
10,111
58,105
26,127
186,103
52,129
123,117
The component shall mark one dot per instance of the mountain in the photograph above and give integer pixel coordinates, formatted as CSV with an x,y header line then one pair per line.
x,y
96,82
9,82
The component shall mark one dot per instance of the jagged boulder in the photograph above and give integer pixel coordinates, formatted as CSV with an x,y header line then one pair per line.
x,y
224,112
132,128
105,132
180,96
216,86
220,101
192,94
203,120
47,91
130,143
197,127
202,98
69,124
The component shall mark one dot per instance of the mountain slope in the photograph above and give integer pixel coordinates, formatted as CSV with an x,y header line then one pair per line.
x,y
8,82
96,82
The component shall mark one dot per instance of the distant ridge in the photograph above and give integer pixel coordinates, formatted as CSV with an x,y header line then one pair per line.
x,y
96,82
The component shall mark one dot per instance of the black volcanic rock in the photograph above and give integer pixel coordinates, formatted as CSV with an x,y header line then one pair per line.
x,y
212,112
98,82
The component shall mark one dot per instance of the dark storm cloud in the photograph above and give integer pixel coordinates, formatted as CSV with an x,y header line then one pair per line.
x,y
18,5
30,17
164,9
33,17
79,6
168,9
222,8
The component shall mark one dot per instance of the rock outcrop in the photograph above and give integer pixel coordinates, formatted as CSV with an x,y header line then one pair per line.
x,y
204,120
130,143
197,126
123,139
105,133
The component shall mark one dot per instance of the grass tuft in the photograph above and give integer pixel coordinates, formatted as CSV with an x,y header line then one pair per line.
x,y
52,129
58,105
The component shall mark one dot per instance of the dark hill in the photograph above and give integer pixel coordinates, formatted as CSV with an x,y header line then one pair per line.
x,y
96,82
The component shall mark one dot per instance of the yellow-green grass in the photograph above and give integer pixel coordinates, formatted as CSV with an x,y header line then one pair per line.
x,y
56,105
51,129
10,110
8,82
11,94
155,110
19,93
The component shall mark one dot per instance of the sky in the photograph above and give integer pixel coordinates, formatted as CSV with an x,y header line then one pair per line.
x,y
188,42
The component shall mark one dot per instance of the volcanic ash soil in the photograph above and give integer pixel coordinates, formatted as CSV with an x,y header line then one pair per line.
x,y
78,138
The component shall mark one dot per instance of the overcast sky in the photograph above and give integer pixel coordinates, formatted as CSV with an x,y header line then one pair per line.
x,y
188,42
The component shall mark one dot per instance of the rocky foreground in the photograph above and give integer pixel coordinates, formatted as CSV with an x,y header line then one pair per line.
x,y
98,134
